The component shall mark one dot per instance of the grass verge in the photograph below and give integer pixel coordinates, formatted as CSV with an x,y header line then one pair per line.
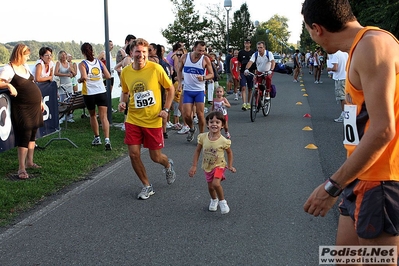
x,y
62,164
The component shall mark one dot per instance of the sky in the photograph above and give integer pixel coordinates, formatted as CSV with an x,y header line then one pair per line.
x,y
82,20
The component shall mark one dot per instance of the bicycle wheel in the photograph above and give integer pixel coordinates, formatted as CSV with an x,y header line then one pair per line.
x,y
267,104
254,105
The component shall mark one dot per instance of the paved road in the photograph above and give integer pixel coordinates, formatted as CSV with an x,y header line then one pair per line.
x,y
100,221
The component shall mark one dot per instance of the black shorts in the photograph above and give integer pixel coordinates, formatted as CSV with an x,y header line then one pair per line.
x,y
373,206
97,99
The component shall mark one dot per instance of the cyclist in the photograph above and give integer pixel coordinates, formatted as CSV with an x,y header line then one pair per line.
x,y
265,63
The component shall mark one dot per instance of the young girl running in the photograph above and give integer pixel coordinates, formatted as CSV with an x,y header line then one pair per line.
x,y
213,145
219,104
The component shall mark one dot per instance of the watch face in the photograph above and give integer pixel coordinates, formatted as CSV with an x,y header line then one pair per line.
x,y
332,189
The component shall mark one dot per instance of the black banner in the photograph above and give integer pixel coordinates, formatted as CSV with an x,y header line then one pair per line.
x,y
50,115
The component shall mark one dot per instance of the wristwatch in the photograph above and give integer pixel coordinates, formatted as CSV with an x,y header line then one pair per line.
x,y
332,188
166,110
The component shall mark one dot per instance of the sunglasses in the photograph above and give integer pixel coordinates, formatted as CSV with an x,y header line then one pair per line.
x,y
179,54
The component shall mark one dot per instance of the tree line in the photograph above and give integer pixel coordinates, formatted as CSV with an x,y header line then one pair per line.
x,y
72,48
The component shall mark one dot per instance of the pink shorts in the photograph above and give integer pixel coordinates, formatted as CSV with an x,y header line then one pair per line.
x,y
218,172
151,138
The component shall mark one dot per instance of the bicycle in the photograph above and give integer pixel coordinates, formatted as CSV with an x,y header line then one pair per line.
x,y
258,99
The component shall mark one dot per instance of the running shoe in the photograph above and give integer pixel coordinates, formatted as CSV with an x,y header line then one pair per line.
x,y
108,145
340,119
170,173
169,124
224,208
146,192
244,107
183,130
191,133
195,120
96,141
248,106
213,206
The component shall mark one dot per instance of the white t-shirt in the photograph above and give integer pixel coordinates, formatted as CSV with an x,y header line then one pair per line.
x,y
340,58
7,73
263,63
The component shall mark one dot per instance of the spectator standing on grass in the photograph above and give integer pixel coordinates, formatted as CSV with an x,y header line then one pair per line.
x,y
338,62
369,178
75,69
213,146
65,71
142,82
26,106
92,71
43,70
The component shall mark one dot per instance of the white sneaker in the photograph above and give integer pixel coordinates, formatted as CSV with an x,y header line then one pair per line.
x,y
316,82
123,128
236,97
224,208
206,110
320,81
195,119
213,206
340,119
183,130
169,124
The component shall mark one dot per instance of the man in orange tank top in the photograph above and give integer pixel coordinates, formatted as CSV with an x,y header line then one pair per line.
x,y
369,178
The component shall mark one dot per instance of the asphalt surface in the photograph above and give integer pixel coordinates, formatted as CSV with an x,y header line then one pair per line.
x,y
100,221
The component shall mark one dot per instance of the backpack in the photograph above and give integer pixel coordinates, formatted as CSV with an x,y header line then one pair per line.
x,y
256,55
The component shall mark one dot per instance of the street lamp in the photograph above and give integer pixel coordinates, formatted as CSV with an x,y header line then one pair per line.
x,y
227,6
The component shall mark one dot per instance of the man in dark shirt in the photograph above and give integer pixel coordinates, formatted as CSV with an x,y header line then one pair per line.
x,y
245,81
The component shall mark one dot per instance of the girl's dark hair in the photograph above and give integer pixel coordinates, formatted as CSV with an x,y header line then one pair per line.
x,y
87,51
219,116
43,50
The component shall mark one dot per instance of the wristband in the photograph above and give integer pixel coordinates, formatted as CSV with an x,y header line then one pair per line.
x,y
166,110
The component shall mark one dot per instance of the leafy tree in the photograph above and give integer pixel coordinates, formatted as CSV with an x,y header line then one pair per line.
x,y
276,36
4,54
381,13
188,26
217,34
241,27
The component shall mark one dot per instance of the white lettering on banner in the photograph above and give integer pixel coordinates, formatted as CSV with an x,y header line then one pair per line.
x,y
358,255
351,136
5,117
46,108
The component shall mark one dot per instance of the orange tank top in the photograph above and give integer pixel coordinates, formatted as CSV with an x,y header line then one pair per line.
x,y
387,166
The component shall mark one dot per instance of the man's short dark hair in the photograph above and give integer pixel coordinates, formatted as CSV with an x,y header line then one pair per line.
x,y
247,40
130,37
331,14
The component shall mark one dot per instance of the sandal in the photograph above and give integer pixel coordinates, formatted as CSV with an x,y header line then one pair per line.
x,y
34,166
23,175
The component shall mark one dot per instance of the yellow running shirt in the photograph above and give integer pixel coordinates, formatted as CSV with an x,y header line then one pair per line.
x,y
145,98
387,166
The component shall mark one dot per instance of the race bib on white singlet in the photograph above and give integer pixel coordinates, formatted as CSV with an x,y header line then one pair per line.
x,y
144,99
351,136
